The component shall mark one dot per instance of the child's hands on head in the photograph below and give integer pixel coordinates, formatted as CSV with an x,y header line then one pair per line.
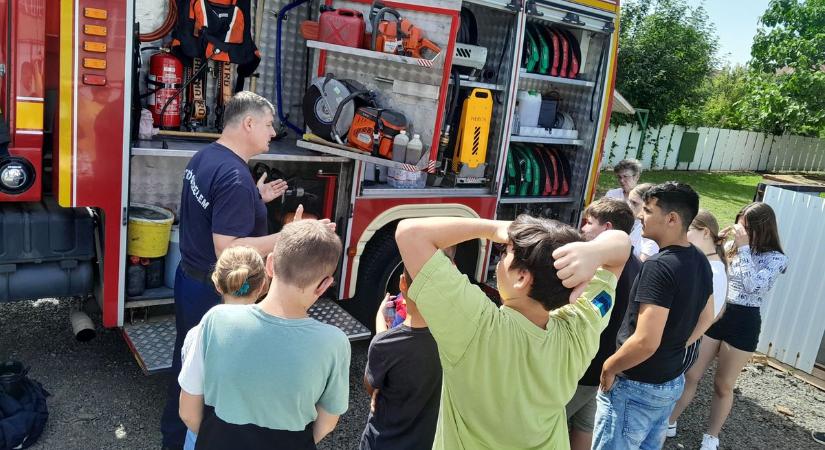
x,y
576,263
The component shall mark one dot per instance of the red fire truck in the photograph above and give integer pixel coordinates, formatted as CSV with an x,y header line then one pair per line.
x,y
511,100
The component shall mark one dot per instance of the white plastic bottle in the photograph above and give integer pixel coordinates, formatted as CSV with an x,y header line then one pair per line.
x,y
414,149
399,146
529,107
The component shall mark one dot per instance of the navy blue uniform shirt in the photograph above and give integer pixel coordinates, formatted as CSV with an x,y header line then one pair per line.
x,y
219,196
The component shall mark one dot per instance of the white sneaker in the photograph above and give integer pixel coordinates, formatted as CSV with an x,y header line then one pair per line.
x,y
709,442
671,429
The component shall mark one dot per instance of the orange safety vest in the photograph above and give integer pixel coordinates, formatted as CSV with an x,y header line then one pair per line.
x,y
217,30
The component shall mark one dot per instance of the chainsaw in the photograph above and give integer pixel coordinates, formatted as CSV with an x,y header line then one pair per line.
x,y
400,36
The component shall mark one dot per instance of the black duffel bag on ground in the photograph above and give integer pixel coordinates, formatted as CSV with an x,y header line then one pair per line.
x,y
23,411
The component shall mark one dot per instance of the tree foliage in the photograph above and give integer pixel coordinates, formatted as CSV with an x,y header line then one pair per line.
x,y
666,52
724,93
666,63
787,76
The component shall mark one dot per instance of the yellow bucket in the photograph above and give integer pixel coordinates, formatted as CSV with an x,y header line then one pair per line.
x,y
148,231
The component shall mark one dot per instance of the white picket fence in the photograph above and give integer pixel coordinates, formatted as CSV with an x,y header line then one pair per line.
x,y
717,150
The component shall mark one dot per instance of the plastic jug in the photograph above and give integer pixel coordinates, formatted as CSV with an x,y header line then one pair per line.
x,y
529,107
414,149
399,146
172,258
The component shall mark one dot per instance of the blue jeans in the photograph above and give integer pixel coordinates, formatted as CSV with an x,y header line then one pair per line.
x,y
192,300
633,415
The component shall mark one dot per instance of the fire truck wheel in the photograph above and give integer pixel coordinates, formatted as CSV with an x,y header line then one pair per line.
x,y
378,274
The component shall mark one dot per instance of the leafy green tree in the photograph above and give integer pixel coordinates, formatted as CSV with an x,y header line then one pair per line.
x,y
666,52
787,81
725,93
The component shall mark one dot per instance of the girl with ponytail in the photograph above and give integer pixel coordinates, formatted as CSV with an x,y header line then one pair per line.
x,y
703,233
240,278
755,261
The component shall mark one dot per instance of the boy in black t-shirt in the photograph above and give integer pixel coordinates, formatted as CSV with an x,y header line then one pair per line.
x,y
602,215
671,307
403,379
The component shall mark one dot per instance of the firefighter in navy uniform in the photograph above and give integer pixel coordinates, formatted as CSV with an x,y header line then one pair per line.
x,y
221,206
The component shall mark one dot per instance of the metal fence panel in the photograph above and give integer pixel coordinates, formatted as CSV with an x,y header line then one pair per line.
x,y
792,315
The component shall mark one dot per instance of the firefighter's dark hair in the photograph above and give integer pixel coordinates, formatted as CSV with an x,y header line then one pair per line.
x,y
245,103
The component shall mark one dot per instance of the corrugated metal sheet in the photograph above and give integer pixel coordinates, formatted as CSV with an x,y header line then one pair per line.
x,y
793,315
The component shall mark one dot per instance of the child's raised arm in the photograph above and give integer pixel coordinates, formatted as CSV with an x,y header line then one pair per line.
x,y
577,262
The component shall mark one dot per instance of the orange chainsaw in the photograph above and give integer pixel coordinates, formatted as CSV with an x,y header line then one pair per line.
x,y
400,36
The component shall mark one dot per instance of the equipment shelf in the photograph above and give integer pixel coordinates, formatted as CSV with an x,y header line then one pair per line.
x,y
524,75
353,154
436,62
285,150
384,191
512,200
501,5
546,140
478,84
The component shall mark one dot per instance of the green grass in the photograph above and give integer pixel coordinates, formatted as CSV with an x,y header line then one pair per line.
x,y
723,194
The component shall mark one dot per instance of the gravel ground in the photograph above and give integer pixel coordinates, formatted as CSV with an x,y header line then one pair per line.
x,y
101,400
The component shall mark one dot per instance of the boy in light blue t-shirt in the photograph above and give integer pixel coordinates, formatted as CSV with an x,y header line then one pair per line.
x,y
273,378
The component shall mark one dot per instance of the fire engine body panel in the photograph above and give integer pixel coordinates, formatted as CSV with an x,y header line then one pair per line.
x,y
90,84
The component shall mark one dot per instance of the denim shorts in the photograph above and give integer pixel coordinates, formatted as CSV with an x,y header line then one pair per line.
x,y
633,415
581,409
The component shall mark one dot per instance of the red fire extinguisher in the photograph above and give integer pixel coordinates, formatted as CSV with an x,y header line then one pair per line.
x,y
164,80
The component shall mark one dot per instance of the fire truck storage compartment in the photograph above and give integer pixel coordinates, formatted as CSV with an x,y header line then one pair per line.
x,y
157,176
45,250
414,86
580,98
319,182
494,30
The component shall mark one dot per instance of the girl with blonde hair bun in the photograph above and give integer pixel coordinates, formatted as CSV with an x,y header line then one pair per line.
x,y
240,278
239,275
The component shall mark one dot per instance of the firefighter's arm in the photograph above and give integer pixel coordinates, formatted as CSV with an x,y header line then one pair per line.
x,y
324,424
419,239
191,410
264,244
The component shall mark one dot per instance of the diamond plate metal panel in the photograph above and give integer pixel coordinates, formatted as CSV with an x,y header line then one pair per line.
x,y
294,54
157,180
496,32
330,313
152,343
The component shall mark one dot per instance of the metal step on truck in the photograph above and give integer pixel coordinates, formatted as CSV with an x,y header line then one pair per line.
x,y
505,103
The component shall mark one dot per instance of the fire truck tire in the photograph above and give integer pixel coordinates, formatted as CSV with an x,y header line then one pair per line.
x,y
378,274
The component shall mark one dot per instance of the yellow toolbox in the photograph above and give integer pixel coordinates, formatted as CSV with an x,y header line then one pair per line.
x,y
473,130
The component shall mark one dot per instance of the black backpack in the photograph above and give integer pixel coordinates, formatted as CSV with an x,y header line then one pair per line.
x,y
23,411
